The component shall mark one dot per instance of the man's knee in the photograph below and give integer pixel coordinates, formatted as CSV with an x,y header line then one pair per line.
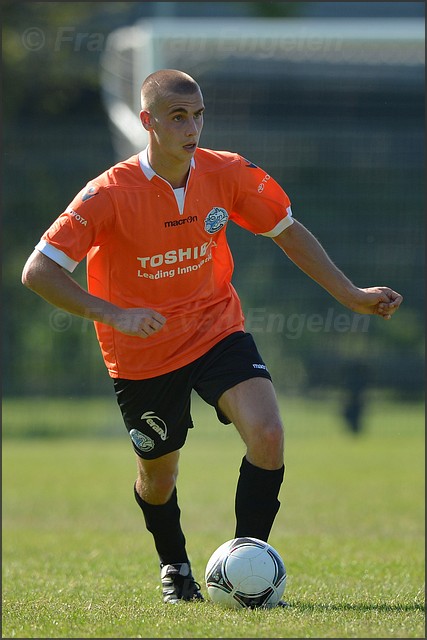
x,y
155,489
265,444
270,435
155,482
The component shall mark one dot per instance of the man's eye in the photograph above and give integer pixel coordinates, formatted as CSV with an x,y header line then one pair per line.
x,y
177,118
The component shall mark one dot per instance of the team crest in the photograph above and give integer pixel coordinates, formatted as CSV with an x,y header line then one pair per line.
x,y
143,442
215,220
89,193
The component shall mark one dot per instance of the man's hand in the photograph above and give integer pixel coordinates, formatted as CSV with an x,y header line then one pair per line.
x,y
138,322
380,301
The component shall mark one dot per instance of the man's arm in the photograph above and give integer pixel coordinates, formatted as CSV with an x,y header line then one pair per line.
x,y
50,281
308,254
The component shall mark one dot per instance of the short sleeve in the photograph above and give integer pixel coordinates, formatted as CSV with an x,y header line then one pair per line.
x,y
261,205
85,223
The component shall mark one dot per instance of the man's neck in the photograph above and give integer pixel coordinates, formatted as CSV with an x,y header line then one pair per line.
x,y
175,174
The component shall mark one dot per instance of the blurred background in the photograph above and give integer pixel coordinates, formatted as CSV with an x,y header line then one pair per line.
x,y
327,97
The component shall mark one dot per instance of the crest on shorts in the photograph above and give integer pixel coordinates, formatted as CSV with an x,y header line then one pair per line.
x,y
141,441
215,220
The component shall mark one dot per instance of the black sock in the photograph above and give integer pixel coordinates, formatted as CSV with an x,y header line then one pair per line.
x,y
163,521
256,503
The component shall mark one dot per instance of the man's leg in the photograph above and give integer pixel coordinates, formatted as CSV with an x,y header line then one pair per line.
x,y
252,407
155,493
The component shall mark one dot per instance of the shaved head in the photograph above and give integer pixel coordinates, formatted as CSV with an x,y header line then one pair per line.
x,y
172,114
164,82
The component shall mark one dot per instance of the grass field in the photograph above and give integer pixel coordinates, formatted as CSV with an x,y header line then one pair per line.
x,y
78,563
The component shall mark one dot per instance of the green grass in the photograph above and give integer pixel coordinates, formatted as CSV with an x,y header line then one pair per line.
x,y
78,562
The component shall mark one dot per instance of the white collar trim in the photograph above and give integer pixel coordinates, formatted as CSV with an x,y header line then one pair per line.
x,y
147,169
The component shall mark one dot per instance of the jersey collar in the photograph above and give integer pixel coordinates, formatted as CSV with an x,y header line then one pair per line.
x,y
147,169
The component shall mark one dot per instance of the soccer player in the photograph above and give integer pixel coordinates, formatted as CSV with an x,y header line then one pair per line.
x,y
168,320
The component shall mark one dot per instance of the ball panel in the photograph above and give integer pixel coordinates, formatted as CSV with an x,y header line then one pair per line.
x,y
215,577
253,585
264,565
257,601
224,598
234,566
280,569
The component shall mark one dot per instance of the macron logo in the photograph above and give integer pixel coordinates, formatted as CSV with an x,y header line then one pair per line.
x,y
178,223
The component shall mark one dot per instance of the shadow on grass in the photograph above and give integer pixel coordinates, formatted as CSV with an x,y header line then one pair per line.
x,y
362,606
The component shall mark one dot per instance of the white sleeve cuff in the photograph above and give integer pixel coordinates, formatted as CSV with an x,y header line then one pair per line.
x,y
281,226
56,255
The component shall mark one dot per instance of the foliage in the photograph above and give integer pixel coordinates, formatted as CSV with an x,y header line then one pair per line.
x,y
51,54
65,40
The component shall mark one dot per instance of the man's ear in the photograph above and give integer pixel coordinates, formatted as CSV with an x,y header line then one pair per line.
x,y
145,118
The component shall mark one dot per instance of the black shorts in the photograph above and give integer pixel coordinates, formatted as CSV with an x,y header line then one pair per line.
x,y
156,411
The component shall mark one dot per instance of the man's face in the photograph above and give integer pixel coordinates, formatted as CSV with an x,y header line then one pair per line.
x,y
176,124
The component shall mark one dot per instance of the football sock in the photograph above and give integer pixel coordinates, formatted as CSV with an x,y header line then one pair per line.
x,y
256,502
163,522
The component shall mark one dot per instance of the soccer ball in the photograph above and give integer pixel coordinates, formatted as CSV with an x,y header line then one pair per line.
x,y
245,573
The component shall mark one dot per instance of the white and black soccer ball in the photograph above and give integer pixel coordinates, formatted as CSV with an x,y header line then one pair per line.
x,y
245,573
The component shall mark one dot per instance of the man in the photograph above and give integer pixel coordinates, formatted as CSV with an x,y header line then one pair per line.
x,y
168,319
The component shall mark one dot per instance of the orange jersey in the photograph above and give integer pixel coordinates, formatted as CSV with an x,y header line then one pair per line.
x,y
148,245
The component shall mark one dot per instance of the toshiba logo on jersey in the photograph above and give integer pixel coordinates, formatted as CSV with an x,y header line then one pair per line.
x,y
175,255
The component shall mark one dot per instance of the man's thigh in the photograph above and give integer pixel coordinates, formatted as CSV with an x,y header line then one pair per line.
x,y
253,408
232,361
251,403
